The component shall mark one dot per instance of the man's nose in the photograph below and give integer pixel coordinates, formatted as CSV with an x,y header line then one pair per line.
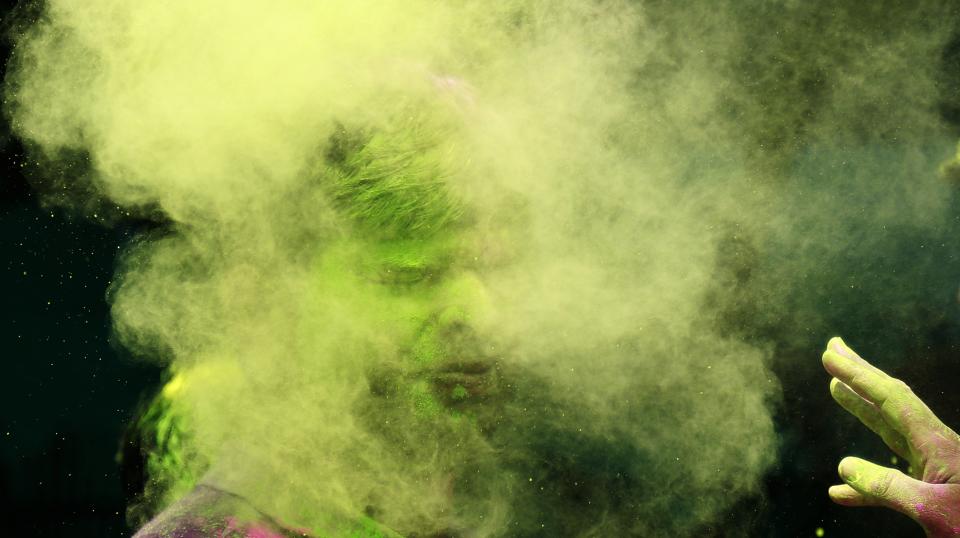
x,y
465,301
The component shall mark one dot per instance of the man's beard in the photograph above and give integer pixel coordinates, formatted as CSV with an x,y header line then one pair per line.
x,y
512,455
464,371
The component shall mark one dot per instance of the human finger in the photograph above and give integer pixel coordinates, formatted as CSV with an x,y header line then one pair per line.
x,y
847,496
868,381
898,405
870,416
837,345
880,486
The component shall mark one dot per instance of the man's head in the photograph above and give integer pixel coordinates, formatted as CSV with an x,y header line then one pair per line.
x,y
395,290
406,261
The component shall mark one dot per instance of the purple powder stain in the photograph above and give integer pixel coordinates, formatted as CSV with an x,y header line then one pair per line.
x,y
261,532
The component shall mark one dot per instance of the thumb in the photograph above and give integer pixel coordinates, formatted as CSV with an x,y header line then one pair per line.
x,y
874,485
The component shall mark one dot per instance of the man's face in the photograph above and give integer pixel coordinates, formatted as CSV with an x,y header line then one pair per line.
x,y
419,302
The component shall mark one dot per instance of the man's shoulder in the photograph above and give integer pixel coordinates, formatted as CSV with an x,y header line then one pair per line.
x,y
207,512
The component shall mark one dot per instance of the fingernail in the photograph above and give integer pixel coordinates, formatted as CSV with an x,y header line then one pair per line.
x,y
846,469
840,347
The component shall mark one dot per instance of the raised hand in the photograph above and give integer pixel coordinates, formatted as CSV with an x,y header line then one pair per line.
x,y
931,494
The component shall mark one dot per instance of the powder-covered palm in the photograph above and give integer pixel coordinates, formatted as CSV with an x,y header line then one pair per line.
x,y
931,495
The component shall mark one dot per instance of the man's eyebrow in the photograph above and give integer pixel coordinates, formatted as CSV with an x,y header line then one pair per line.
x,y
431,262
417,254
400,259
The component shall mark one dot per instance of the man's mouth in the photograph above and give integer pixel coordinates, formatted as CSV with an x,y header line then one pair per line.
x,y
459,382
469,367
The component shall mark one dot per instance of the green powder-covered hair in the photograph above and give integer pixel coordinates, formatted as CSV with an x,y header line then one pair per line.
x,y
392,182
157,462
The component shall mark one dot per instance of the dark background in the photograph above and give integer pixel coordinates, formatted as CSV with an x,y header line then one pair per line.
x,y
66,392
